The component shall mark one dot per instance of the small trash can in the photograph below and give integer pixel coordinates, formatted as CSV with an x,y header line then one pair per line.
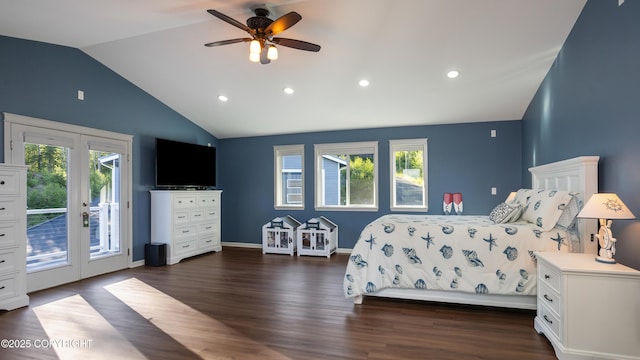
x,y
155,254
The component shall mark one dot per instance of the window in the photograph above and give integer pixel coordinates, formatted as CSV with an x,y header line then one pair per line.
x,y
408,159
289,177
346,176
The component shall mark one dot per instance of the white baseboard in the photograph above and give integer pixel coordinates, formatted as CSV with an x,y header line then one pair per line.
x,y
242,245
259,246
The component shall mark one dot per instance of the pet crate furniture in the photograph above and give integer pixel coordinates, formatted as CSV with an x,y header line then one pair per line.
x,y
279,236
318,237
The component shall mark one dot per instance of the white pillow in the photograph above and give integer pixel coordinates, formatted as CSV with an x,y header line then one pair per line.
x,y
545,207
522,197
568,216
504,213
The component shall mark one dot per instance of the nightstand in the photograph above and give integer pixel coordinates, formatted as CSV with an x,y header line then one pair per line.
x,y
588,310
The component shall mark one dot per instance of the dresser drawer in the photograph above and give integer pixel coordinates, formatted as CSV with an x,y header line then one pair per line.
x,y
206,228
9,182
8,234
184,232
7,287
210,214
197,215
548,318
185,247
207,241
549,297
549,276
8,261
181,217
9,209
181,202
207,200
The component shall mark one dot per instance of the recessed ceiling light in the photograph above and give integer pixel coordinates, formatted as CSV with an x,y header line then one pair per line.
x,y
453,74
288,90
222,98
363,83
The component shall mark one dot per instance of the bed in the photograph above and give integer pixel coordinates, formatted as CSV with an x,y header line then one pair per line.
x,y
482,260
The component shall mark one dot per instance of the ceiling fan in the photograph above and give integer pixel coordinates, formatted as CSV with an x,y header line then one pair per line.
x,y
263,31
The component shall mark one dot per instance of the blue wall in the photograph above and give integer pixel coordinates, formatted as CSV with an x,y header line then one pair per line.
x,y
462,158
589,104
41,80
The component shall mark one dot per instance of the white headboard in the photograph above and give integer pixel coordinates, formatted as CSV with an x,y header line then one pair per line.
x,y
578,175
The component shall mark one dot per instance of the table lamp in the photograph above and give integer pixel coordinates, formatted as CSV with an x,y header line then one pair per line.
x,y
605,207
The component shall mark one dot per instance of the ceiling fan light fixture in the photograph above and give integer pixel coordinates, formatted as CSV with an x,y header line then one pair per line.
x,y
254,47
254,57
272,53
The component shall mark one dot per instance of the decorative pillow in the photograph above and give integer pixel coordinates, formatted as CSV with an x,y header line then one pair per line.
x,y
504,213
522,197
568,216
545,207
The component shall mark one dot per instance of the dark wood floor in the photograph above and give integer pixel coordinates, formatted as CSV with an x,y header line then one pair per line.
x,y
240,304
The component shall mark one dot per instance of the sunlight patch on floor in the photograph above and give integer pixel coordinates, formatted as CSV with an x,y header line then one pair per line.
x,y
76,330
204,336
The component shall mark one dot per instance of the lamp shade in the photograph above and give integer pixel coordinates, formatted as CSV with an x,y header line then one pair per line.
x,y
605,206
272,53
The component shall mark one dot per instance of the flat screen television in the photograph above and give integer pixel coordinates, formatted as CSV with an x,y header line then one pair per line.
x,y
181,165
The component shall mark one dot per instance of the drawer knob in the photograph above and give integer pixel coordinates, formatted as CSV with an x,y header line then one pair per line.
x,y
547,319
2,288
546,297
1,235
547,276
2,261
1,182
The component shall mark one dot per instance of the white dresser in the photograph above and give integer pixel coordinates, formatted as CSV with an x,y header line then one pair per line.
x,y
13,236
588,310
188,221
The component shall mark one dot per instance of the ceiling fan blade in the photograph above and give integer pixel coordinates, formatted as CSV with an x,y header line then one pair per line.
x,y
231,21
283,23
227,42
297,44
263,55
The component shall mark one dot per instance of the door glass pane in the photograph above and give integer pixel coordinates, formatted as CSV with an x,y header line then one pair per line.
x,y
47,222
104,217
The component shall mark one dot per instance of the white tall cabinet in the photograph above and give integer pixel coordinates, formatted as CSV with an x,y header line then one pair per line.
x,y
188,221
13,236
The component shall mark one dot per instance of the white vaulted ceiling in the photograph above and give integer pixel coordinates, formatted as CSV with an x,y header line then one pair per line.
x,y
502,49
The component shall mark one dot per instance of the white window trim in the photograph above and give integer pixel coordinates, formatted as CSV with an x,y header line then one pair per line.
x,y
369,147
410,145
278,152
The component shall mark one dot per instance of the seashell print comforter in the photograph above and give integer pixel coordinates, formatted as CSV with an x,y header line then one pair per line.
x,y
458,253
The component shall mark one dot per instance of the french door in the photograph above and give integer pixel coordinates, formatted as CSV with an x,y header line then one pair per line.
x,y
78,194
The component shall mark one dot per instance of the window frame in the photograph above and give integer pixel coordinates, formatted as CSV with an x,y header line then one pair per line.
x,y
408,145
279,200
347,148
